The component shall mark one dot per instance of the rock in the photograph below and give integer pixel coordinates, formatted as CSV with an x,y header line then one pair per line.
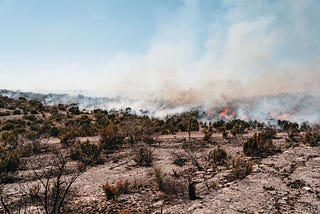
x,y
308,189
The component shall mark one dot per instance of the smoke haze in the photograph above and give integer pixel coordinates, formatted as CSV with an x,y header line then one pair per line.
x,y
252,53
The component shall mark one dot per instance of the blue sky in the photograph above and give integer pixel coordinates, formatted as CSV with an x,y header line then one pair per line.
x,y
112,47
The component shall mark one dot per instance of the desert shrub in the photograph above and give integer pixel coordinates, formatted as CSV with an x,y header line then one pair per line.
x,y
179,159
68,138
33,111
30,149
10,139
254,124
270,133
110,137
16,112
296,184
224,134
143,156
207,135
241,168
158,177
9,162
31,135
61,107
312,138
168,184
86,152
259,145
74,110
114,191
4,113
286,125
31,118
218,156
218,124
305,126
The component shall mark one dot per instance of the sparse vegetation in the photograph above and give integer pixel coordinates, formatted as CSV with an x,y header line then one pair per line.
x,y
218,156
312,138
196,159
86,152
241,168
260,145
114,191
143,156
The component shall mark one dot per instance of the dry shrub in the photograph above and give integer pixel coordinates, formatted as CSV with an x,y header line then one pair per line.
x,y
312,138
179,159
259,145
169,185
143,156
88,153
114,191
9,162
110,137
241,168
218,156
68,138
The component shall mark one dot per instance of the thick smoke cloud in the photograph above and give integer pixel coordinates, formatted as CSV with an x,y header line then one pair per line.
x,y
250,48
246,50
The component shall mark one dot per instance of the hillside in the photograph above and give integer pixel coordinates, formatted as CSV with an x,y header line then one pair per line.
x,y
57,158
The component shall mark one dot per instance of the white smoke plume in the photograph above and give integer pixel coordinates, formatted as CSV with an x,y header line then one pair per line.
x,y
261,58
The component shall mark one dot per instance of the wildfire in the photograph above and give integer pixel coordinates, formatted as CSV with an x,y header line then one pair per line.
x,y
227,114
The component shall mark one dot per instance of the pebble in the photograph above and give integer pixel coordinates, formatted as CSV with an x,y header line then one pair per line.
x,y
307,188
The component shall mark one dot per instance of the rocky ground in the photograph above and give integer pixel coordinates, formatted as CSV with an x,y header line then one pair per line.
x,y
286,182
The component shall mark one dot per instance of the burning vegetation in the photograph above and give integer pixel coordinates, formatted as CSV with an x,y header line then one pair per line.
x,y
52,155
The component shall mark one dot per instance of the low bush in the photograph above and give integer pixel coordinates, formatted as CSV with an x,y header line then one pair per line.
x,y
110,137
68,138
9,162
114,191
241,168
143,156
179,159
169,185
260,145
86,152
312,138
218,156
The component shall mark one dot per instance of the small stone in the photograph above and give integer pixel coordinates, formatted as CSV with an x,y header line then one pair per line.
x,y
307,188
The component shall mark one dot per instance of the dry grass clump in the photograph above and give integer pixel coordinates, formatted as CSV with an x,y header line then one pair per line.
x,y
143,156
241,168
169,185
114,191
218,156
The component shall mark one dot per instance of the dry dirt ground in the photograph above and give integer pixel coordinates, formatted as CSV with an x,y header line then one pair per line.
x,y
287,182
